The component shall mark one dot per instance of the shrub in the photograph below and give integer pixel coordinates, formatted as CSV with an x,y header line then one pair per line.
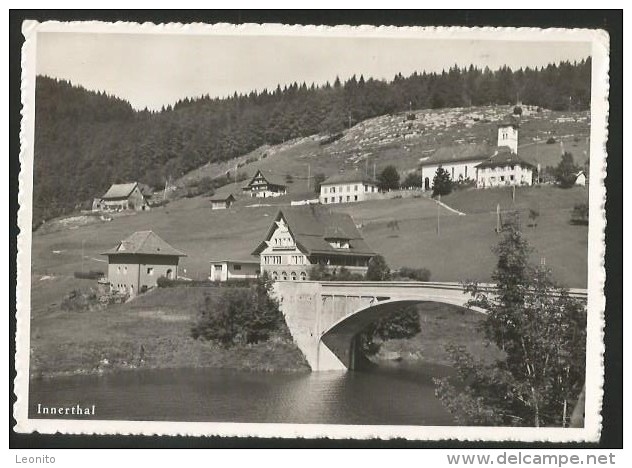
x,y
239,315
92,274
550,141
378,269
517,110
414,179
388,178
442,183
566,171
78,301
417,274
580,214
411,116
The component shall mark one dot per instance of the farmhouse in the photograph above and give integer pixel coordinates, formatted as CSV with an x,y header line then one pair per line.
x,y
301,237
347,187
137,262
222,202
502,169
224,270
264,185
122,197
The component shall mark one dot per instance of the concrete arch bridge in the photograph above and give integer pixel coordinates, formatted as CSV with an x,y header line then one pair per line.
x,y
325,317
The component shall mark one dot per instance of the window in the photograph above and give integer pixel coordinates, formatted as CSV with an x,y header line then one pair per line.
x,y
348,188
466,172
150,271
355,188
333,190
118,269
237,267
348,198
293,276
284,275
366,188
325,199
511,177
452,173
125,270
275,275
340,199
355,198
502,178
303,276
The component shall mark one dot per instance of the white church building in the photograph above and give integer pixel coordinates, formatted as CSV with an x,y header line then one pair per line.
x,y
486,165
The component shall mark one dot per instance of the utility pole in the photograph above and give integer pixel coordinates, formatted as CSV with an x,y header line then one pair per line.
x,y
82,253
308,176
498,218
439,216
513,193
373,171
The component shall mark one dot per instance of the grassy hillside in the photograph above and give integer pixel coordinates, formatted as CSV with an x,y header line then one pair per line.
x,y
461,251
393,139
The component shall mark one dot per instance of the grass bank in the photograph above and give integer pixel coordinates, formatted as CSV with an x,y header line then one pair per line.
x,y
152,331
441,325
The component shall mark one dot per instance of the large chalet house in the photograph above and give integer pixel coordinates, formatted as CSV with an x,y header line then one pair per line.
x,y
488,166
346,188
122,197
302,237
264,185
137,262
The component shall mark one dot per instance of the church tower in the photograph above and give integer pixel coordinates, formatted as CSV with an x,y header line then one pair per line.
x,y
508,135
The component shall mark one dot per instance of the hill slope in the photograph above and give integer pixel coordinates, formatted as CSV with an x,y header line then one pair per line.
x,y
85,141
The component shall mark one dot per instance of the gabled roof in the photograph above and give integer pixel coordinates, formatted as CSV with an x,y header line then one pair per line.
x,y
503,157
144,242
458,153
272,179
311,225
349,177
119,191
219,198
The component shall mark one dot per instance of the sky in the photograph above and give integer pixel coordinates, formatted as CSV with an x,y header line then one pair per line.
x,y
152,70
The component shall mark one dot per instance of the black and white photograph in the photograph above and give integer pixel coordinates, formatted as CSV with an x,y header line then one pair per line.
x,y
310,231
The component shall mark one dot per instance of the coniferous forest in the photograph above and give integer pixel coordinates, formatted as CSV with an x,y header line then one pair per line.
x,y
85,141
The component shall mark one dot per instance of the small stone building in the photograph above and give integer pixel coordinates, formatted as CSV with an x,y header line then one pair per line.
x,y
137,262
224,270
504,169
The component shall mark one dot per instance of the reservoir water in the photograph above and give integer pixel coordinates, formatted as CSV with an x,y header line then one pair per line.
x,y
394,395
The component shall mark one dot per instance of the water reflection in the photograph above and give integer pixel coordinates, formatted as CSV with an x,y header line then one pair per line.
x,y
394,395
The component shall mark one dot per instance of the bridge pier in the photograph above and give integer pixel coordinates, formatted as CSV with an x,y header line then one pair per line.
x,y
325,318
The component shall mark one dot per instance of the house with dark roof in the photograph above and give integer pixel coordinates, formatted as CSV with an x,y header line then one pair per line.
x,y
222,202
137,262
347,187
462,161
503,168
265,185
302,237
121,197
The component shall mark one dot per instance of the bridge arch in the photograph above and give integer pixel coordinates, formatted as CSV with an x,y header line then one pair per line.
x,y
341,340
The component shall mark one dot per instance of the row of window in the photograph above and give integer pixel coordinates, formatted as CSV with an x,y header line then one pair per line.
x,y
278,260
283,242
150,270
340,199
293,276
272,259
347,188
